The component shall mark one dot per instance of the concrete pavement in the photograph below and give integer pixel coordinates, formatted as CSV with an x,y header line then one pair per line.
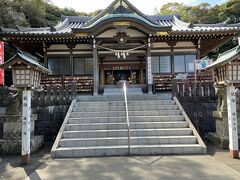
x,y
146,167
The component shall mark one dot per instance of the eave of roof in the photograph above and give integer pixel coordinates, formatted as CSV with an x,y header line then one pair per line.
x,y
225,57
28,59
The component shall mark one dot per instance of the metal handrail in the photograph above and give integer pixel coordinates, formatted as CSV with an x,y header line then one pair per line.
x,y
127,117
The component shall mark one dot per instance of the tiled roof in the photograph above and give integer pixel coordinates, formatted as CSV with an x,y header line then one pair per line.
x,y
225,57
122,8
72,22
29,59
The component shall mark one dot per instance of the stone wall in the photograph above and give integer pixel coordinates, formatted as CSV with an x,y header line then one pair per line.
x,y
49,120
2,112
199,110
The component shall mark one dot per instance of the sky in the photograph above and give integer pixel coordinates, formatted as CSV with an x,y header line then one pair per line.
x,y
146,6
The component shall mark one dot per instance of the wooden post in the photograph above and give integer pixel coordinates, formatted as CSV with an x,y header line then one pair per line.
x,y
141,71
102,74
232,121
26,126
174,88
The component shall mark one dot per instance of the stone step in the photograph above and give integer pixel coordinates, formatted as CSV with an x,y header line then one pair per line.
x,y
122,113
123,119
122,108
119,91
167,96
121,103
164,149
124,132
111,141
139,125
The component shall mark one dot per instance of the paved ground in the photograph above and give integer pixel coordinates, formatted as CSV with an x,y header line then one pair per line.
x,y
216,165
157,167
11,168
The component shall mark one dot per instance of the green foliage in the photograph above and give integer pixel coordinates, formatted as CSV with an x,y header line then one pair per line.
x,y
11,15
34,13
205,14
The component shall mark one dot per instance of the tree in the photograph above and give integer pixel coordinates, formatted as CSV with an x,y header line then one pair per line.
x,y
10,15
174,8
35,12
205,14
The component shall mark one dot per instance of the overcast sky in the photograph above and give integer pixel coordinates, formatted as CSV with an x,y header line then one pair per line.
x,y
146,6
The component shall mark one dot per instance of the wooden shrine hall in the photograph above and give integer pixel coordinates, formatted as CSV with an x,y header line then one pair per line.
x,y
120,43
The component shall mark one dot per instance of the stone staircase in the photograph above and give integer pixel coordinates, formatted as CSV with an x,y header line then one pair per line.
x,y
96,126
119,91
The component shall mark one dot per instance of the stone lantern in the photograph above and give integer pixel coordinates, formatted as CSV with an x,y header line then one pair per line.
x,y
227,74
26,72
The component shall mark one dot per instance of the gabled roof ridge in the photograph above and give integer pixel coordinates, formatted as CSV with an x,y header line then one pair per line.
x,y
222,24
75,18
181,23
166,17
23,29
2,29
111,5
101,13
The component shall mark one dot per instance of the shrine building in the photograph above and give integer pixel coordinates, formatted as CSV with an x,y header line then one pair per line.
x,y
120,43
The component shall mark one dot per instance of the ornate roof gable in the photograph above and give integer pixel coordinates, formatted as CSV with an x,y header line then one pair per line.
x,y
119,7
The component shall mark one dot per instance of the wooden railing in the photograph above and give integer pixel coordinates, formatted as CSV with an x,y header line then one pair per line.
x,y
55,95
164,81
50,96
84,83
182,88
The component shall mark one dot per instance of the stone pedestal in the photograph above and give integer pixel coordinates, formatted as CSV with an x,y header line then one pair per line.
x,y
11,138
221,136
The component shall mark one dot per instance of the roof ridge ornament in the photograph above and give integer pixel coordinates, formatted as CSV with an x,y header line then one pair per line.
x,y
52,28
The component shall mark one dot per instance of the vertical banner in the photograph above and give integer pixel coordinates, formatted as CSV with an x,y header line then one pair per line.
x,y
150,76
1,62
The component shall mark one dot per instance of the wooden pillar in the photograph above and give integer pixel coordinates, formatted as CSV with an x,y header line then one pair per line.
x,y
26,126
96,69
232,122
149,76
141,71
101,73
71,61
45,55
